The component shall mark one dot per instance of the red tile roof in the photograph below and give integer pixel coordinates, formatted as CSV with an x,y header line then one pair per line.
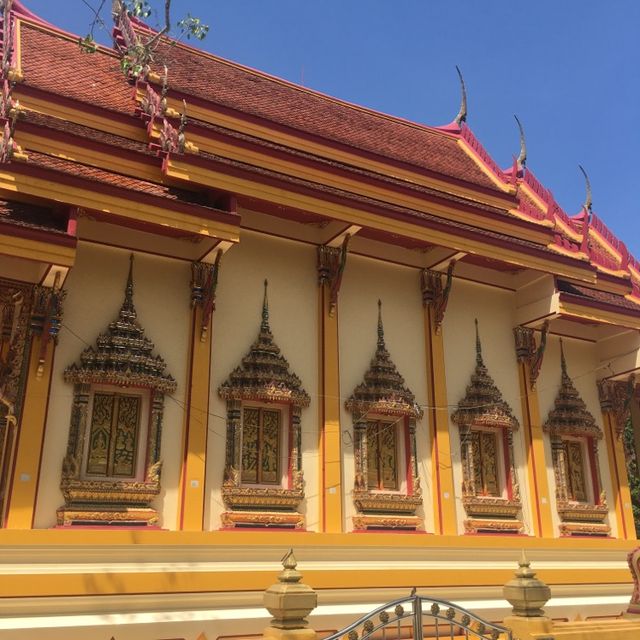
x,y
30,216
587,294
54,63
250,92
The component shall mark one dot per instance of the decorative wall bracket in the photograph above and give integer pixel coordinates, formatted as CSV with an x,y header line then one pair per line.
x,y
528,352
204,284
46,317
615,399
331,264
436,287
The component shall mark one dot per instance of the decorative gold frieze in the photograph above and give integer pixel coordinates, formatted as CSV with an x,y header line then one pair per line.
x,y
490,489
435,287
529,352
378,484
262,377
102,481
204,284
581,501
331,264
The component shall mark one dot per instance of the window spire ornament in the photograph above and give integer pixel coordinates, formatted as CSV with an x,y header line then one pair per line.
x,y
384,414
490,490
259,393
574,433
111,471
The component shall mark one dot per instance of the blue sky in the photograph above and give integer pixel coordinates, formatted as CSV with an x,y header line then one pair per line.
x,y
567,68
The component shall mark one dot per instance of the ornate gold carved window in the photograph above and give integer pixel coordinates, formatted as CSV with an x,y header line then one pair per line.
x,y
386,489
111,471
263,482
490,492
261,450
382,456
574,436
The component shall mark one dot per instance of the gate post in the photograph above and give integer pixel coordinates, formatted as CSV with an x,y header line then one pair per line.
x,y
289,601
527,594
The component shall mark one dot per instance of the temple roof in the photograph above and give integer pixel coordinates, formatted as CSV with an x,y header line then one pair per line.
x,y
445,176
383,389
570,415
483,404
263,374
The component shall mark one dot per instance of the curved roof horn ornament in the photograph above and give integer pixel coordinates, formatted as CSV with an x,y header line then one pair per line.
x,y
521,160
462,114
588,202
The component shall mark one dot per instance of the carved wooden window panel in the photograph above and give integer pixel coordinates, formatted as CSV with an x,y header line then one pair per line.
x,y
115,441
486,467
261,445
577,470
382,456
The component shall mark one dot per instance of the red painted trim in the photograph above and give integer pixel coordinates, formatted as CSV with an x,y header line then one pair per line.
x,y
391,211
55,237
69,103
594,304
62,177
316,139
204,160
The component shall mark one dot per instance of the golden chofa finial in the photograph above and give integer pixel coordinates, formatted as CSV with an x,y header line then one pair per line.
x,y
588,202
521,161
462,114
289,572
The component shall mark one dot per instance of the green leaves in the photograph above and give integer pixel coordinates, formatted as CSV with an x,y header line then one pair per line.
x,y
193,28
88,44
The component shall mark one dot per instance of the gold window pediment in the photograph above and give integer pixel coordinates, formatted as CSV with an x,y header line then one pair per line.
x,y
387,490
263,482
111,471
490,490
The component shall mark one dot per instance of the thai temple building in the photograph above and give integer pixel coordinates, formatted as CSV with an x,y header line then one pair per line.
x,y
239,316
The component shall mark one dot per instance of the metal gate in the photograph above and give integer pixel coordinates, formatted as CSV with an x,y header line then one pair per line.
x,y
419,618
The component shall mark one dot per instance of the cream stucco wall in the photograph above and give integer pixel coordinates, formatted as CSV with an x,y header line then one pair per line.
x,y
290,268
582,362
95,290
494,309
364,282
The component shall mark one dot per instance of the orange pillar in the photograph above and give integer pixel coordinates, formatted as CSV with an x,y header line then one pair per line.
x,y
539,499
619,479
26,472
331,507
443,488
196,426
